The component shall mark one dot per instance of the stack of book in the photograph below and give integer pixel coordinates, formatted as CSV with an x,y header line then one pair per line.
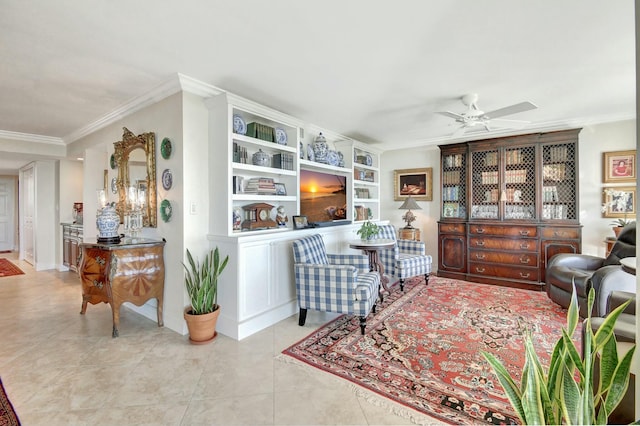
x,y
239,154
264,186
260,131
283,161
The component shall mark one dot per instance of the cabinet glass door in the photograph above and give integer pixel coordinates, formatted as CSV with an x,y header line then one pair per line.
x,y
485,184
559,182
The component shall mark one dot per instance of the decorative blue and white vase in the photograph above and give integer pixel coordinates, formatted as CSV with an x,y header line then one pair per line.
x,y
320,148
108,221
261,158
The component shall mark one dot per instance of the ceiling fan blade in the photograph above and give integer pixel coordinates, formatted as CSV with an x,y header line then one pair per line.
x,y
512,109
450,115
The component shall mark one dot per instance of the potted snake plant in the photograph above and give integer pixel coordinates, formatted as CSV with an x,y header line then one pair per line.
x,y
566,393
201,280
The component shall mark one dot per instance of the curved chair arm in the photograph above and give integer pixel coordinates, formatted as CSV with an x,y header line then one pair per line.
x,y
360,261
578,261
411,246
617,298
607,280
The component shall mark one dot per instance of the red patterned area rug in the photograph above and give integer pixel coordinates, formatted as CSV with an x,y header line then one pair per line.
x,y
423,347
8,416
7,268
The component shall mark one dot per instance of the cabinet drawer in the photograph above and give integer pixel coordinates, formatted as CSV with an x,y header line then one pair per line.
x,y
520,259
504,231
452,228
513,272
503,244
560,233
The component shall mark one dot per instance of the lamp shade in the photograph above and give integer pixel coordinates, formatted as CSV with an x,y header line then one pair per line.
x,y
410,204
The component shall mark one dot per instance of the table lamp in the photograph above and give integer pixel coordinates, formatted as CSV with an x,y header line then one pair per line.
x,y
409,217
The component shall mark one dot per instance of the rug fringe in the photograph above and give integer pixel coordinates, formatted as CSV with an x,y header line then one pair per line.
x,y
370,396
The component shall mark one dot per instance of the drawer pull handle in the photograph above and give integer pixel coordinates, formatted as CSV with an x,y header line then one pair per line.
x,y
480,230
480,270
480,243
451,229
525,260
524,246
523,275
524,233
480,256
559,234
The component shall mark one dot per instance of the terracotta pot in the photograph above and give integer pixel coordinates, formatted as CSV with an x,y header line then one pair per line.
x,y
617,230
202,328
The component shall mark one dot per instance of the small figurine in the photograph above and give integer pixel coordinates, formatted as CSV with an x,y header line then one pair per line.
x,y
281,216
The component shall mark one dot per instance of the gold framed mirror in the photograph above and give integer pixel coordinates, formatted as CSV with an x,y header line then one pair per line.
x,y
136,160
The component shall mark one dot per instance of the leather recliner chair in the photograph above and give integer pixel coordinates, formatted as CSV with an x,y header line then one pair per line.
x,y
604,275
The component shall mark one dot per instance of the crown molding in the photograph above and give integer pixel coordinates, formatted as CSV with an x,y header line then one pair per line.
x,y
178,82
28,137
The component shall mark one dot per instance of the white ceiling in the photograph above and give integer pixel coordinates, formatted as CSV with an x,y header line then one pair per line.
x,y
370,69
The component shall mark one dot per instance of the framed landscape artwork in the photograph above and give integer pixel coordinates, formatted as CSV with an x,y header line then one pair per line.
x,y
417,183
619,166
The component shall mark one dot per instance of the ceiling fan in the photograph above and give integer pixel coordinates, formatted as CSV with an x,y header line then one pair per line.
x,y
474,116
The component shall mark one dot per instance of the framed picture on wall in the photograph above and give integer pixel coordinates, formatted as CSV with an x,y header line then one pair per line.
x,y
619,202
619,166
417,183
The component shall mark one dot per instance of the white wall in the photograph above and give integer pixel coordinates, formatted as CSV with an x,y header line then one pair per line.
x,y
593,141
46,214
71,173
164,118
427,218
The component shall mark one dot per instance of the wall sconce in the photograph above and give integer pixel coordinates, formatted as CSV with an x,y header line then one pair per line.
x,y
409,217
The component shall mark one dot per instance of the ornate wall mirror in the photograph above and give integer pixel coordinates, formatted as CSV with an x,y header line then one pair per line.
x,y
136,160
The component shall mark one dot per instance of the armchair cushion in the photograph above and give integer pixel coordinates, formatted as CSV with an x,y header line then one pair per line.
x,y
313,251
625,245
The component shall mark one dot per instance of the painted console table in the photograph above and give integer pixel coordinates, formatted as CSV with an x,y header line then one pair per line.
x,y
130,271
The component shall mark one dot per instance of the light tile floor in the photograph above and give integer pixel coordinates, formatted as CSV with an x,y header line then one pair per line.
x,y
63,368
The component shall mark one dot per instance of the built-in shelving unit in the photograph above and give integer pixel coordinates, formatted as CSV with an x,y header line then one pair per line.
x,y
273,181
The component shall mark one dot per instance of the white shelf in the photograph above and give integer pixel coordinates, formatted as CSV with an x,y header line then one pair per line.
x,y
265,144
263,197
306,164
365,183
261,169
365,200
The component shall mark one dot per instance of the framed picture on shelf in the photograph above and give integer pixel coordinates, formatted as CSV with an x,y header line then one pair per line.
x,y
619,202
619,166
300,222
417,183
281,189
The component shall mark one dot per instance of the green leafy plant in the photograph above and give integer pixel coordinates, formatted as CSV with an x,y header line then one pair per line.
x,y
566,393
368,230
201,281
621,222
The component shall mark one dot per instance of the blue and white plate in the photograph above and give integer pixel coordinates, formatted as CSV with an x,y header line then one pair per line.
x,y
281,136
369,160
239,126
167,179
333,159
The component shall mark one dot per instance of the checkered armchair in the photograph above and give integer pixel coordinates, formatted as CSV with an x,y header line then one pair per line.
x,y
407,259
333,282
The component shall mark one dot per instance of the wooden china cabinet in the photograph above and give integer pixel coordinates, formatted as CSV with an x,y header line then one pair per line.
x,y
508,205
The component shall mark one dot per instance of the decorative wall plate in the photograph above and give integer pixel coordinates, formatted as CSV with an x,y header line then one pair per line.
x,y
112,161
165,148
239,126
114,185
167,179
281,135
165,210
